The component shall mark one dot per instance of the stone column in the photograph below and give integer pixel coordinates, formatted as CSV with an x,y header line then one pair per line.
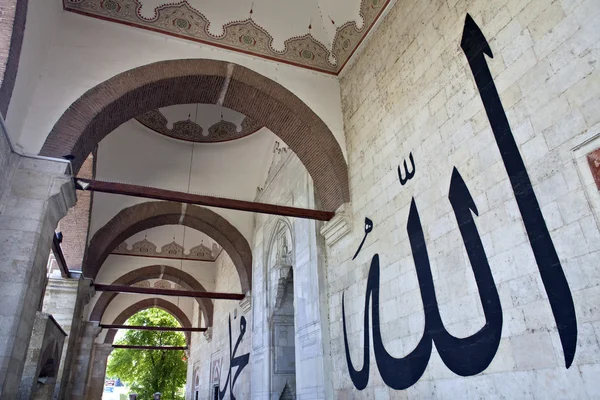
x,y
47,341
95,386
64,300
81,369
34,195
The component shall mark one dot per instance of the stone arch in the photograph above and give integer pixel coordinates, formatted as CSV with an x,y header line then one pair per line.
x,y
144,305
140,217
171,274
132,93
14,16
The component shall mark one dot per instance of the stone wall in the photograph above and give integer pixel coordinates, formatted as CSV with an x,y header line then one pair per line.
x,y
288,183
36,195
212,348
411,91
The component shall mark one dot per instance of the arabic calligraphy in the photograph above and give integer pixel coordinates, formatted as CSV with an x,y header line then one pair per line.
x,y
470,355
240,361
409,175
475,47
368,229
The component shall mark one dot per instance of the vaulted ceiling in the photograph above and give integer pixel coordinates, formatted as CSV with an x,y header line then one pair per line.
x,y
315,34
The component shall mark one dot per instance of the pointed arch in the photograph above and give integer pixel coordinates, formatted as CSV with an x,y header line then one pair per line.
x,y
145,304
132,93
165,272
151,214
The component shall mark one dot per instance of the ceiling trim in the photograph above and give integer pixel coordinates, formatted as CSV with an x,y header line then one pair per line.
x,y
190,131
173,251
185,22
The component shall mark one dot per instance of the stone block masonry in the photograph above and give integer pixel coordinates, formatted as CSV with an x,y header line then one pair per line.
x,y
34,195
411,90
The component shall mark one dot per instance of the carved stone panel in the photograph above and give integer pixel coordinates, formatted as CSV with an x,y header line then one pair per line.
x,y
285,357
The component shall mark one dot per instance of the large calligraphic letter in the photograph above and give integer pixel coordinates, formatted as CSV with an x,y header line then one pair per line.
x,y
240,362
397,373
471,355
464,356
476,47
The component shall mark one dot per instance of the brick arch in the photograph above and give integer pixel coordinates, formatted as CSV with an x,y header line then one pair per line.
x,y
144,305
187,281
151,214
132,93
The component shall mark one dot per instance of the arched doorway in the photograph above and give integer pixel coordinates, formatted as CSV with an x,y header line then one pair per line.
x,y
130,94
282,313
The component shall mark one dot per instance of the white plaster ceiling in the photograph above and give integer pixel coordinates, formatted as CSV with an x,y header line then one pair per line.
x,y
283,19
135,154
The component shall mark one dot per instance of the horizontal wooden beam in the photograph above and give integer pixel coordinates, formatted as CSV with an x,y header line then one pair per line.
x,y
202,200
168,292
60,257
126,346
153,328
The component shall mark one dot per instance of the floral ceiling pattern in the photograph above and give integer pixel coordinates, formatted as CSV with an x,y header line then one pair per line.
x,y
188,130
173,250
182,20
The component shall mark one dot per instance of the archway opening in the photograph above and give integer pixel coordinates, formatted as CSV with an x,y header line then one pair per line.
x,y
158,364
282,325
133,93
151,214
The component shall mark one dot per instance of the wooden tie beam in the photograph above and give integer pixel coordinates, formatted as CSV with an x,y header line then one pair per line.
x,y
168,292
60,258
153,328
126,346
202,200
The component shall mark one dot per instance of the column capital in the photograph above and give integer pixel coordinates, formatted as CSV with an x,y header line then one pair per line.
x,y
339,226
103,349
87,290
246,302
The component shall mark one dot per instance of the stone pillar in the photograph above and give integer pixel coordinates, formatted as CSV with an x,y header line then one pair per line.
x,y
95,386
81,369
43,357
64,300
34,195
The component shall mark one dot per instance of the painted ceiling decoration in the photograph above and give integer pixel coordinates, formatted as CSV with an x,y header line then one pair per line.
x,y
301,33
230,125
159,284
173,250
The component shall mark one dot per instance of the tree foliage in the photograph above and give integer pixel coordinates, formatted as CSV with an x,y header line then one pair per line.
x,y
150,371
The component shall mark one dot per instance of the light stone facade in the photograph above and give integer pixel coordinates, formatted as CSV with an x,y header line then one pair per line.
x,y
289,184
411,90
35,194
210,348
413,118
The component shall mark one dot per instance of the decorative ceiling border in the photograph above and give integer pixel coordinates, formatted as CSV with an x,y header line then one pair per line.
x,y
173,250
222,131
184,21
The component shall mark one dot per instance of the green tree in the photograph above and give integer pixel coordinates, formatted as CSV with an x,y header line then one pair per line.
x,y
151,371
